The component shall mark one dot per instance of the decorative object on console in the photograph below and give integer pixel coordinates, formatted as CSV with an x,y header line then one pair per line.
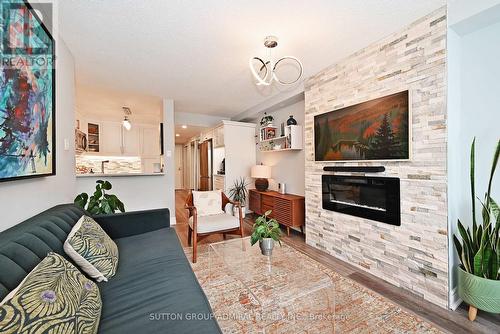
x,y
479,251
100,202
238,193
92,249
27,107
265,71
261,173
291,121
282,188
374,130
266,231
54,296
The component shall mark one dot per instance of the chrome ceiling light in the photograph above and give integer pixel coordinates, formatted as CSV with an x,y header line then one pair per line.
x,y
264,71
126,122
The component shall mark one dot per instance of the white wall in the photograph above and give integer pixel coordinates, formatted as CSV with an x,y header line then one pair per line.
x,y
473,110
287,166
25,198
146,192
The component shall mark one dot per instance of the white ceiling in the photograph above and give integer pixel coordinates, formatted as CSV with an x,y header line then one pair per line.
x,y
186,134
196,52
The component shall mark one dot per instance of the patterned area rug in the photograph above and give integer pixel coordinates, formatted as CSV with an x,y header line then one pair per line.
x,y
357,309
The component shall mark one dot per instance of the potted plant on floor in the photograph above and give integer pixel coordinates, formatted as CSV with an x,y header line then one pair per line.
x,y
266,231
479,250
238,193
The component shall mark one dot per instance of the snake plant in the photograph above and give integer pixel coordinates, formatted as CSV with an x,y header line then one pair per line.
x,y
479,250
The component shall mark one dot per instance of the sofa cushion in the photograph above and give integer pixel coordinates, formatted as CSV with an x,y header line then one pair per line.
x,y
207,202
55,297
92,249
23,246
154,289
206,224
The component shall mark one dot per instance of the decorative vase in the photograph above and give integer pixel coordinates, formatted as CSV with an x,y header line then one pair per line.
x,y
478,292
291,121
266,246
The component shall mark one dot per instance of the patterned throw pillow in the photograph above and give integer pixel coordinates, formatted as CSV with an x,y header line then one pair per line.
x,y
208,202
54,298
92,249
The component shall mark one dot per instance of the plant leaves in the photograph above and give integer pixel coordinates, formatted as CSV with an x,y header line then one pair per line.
x,y
473,191
106,185
81,200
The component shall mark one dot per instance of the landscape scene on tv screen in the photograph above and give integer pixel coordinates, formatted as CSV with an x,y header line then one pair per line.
x,y
372,130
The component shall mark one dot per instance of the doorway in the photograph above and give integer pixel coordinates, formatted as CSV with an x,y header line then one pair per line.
x,y
179,167
205,149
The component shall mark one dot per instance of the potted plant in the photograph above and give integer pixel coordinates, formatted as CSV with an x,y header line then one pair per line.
x,y
100,202
266,231
479,250
238,193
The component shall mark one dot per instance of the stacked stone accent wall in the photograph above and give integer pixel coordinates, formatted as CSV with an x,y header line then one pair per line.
x,y
413,256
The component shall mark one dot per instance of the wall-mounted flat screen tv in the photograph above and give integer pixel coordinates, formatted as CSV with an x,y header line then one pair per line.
x,y
374,130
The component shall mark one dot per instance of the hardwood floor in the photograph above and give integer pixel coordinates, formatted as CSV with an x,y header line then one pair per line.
x,y
451,321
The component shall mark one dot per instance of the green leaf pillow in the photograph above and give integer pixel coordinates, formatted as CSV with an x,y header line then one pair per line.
x,y
92,249
55,297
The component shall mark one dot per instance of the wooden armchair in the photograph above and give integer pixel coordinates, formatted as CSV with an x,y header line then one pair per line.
x,y
202,226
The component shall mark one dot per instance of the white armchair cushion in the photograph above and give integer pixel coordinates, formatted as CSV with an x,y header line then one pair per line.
x,y
208,202
213,223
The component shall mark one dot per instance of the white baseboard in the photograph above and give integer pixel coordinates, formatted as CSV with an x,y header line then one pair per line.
x,y
173,221
455,300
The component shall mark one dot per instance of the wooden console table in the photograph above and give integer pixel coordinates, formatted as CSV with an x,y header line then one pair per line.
x,y
288,209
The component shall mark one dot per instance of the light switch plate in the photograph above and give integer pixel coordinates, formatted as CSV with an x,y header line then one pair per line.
x,y
169,154
66,144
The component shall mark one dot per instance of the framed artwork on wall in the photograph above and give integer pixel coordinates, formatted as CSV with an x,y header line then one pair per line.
x,y
27,91
378,129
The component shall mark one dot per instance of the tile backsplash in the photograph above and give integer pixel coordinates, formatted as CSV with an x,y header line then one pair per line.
x,y
116,165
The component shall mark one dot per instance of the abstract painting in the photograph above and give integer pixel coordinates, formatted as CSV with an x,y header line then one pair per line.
x,y
27,94
372,130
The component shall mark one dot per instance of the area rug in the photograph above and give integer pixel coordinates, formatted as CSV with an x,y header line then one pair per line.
x,y
357,309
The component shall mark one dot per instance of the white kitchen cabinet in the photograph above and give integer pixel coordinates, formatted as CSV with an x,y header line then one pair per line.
x,y
110,138
219,183
132,141
218,137
150,141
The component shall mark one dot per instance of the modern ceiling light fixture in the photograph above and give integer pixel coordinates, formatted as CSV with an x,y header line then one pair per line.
x,y
265,71
126,122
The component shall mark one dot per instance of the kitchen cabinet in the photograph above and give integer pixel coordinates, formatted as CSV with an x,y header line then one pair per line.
x,y
218,137
150,144
110,138
132,141
219,182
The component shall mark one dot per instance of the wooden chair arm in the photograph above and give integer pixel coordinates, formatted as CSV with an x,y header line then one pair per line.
x,y
192,210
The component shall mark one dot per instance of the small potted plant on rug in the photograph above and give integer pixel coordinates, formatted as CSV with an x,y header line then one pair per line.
x,y
266,231
479,251
100,202
238,193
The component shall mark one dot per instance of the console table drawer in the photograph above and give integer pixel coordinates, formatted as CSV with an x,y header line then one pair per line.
x,y
267,200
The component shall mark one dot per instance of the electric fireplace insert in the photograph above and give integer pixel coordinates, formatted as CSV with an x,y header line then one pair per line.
x,y
375,198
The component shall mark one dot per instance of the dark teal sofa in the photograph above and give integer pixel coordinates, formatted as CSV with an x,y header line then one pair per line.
x,y
154,289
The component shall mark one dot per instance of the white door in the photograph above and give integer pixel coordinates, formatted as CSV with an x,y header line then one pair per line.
x,y
178,167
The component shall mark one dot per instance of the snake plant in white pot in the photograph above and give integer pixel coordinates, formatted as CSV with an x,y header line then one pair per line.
x,y
479,249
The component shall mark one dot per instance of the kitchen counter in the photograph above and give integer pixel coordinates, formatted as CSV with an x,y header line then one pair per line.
x,y
119,174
